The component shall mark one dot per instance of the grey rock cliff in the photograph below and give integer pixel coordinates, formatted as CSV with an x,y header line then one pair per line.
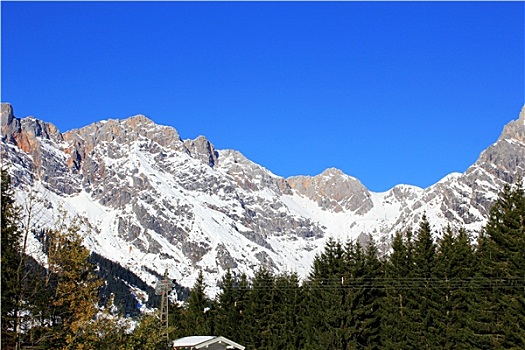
x,y
150,200
333,190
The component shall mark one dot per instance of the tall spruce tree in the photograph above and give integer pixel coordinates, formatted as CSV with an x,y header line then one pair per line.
x,y
196,319
284,320
175,320
326,319
366,295
259,309
353,289
241,305
11,263
500,317
454,287
398,306
423,325
227,318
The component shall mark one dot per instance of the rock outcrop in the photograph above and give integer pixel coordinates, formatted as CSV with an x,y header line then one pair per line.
x,y
335,191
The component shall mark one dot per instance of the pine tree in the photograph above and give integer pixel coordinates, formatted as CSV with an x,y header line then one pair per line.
x,y
501,264
284,318
259,310
365,296
175,320
423,325
11,263
398,305
241,305
326,317
228,318
453,272
196,318
73,284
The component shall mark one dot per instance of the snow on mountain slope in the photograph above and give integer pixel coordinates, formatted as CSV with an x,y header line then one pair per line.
x,y
150,200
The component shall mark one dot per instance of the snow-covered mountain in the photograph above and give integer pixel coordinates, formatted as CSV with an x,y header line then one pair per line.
x,y
150,200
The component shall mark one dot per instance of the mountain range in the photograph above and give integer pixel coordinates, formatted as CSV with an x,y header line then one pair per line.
x,y
149,200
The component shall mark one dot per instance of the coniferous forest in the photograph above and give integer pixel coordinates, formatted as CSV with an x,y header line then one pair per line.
x,y
455,292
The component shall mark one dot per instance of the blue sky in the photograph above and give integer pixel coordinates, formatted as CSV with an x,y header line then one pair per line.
x,y
388,92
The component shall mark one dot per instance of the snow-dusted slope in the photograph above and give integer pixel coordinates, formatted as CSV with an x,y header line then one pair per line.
x,y
150,200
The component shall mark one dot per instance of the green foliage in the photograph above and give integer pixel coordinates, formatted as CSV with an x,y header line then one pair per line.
x,y
75,291
399,304
455,288
64,297
500,309
423,326
344,298
149,334
196,317
259,310
326,317
11,259
106,332
285,323
366,296
228,317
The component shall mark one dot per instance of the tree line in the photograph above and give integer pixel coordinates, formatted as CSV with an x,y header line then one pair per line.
x,y
450,293
455,292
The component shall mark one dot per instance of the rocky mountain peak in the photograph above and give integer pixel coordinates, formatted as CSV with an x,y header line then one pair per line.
x,y
332,172
7,113
9,124
114,133
202,149
137,120
28,134
249,175
127,130
334,190
24,131
515,129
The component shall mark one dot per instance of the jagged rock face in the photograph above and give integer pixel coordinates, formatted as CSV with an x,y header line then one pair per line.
x,y
202,149
250,176
515,129
150,200
334,191
506,158
38,139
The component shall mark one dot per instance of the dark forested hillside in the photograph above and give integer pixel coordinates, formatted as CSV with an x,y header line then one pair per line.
x,y
119,281
125,285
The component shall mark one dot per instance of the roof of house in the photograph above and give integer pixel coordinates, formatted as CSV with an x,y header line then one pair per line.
x,y
202,341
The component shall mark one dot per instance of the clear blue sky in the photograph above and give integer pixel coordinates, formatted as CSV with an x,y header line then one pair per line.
x,y
388,92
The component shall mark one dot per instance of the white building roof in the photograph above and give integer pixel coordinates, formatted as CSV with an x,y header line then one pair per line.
x,y
192,341
203,341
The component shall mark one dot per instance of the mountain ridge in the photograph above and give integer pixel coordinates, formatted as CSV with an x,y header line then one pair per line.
x,y
150,200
